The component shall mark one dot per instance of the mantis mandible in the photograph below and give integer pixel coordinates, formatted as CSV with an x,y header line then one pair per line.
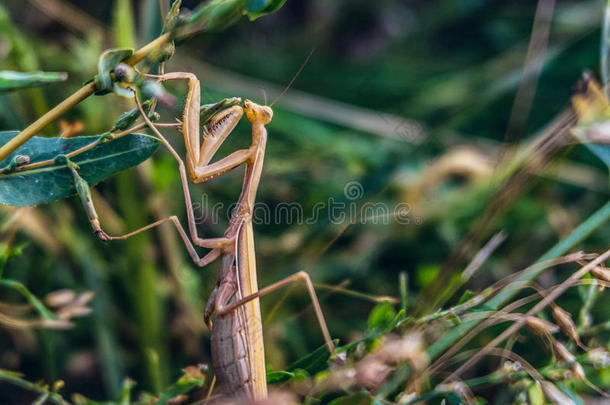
x,y
236,330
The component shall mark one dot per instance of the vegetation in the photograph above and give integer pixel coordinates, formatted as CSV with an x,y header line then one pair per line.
x,y
438,168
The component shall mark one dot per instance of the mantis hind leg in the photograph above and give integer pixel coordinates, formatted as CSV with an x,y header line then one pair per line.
x,y
299,276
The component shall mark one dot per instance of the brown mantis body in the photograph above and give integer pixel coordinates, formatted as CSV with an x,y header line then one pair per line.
x,y
236,331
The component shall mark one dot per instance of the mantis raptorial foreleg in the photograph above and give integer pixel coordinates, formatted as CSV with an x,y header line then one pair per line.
x,y
199,152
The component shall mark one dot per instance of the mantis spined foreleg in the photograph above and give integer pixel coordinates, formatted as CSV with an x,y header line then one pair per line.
x,y
200,152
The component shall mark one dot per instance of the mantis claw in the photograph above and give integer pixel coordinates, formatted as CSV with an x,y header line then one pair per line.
x,y
103,236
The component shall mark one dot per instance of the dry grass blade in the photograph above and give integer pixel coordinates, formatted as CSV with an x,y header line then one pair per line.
x,y
556,292
531,72
35,224
483,255
533,161
507,282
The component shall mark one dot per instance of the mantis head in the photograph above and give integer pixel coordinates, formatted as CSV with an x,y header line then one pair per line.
x,y
257,113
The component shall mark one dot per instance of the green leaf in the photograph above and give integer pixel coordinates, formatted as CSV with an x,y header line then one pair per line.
x,y
186,383
214,15
468,294
172,16
49,183
31,298
129,117
259,8
314,362
278,377
381,316
359,398
10,80
106,63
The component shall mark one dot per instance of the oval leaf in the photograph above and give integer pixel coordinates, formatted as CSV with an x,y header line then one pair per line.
x,y
259,8
49,183
381,316
313,362
278,377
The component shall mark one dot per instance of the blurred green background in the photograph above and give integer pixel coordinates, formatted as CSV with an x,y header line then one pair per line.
x,y
410,99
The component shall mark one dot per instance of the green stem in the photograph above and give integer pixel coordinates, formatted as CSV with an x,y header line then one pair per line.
x,y
81,94
15,379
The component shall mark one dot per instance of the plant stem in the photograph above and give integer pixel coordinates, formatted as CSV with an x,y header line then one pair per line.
x,y
143,52
83,149
15,379
48,118
60,109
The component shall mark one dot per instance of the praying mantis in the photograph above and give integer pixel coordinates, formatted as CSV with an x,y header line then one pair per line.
x,y
232,312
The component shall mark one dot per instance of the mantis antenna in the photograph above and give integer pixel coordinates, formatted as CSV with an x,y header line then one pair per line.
x,y
264,95
294,77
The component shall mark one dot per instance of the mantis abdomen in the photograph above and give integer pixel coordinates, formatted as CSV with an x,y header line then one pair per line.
x,y
237,336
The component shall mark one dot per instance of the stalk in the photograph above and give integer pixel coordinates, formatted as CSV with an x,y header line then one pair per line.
x,y
81,94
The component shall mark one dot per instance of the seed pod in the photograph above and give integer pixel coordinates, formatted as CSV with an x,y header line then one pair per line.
x,y
601,273
84,298
70,312
564,320
578,371
554,394
540,327
372,372
59,298
562,353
